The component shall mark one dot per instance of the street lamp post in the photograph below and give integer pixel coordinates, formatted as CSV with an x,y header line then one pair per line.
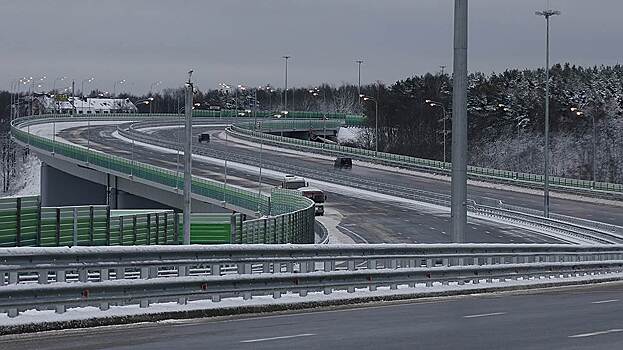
x,y
547,14
443,109
285,91
359,62
376,121
88,80
188,110
114,88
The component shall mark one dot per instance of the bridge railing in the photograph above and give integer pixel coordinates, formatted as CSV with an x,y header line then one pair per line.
x,y
428,165
236,198
83,276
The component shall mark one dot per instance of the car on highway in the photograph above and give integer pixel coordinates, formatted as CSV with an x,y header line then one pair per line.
x,y
343,163
204,137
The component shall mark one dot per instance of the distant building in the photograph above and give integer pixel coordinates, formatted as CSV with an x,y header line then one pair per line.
x,y
46,104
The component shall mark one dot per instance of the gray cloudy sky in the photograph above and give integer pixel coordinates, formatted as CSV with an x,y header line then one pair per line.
x,y
241,41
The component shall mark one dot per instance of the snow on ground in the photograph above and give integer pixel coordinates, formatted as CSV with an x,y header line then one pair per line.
x,y
27,182
349,134
46,130
420,291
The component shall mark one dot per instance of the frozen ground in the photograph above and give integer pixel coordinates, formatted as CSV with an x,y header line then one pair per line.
x,y
27,182
349,134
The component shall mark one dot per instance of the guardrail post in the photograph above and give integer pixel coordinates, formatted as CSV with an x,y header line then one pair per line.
x,y
104,275
60,308
60,275
120,273
329,265
83,275
372,264
215,269
42,277
13,277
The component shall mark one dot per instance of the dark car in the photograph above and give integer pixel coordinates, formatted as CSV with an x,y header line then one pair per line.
x,y
205,137
343,163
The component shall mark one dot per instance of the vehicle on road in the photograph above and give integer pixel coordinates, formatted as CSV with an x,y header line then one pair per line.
x,y
343,163
204,137
317,196
293,182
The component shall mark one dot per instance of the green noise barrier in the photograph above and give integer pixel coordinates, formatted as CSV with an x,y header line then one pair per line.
x,y
295,224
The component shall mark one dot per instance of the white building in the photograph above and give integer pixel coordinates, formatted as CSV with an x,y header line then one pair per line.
x,y
45,104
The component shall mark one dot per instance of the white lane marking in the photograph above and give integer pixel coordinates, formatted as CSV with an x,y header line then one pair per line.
x,y
277,338
605,301
354,233
584,335
485,315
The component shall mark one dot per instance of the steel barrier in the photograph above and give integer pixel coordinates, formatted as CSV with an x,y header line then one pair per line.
x,y
59,278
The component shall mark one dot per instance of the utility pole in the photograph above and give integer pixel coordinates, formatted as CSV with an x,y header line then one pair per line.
x,y
285,92
188,110
443,68
459,124
547,14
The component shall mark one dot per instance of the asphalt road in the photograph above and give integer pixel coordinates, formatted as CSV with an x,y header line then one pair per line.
x,y
586,317
380,221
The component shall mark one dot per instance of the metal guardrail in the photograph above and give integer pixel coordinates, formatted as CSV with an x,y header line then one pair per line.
x,y
60,278
574,231
427,165
292,226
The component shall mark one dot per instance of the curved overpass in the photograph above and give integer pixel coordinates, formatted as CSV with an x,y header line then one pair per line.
x,y
361,203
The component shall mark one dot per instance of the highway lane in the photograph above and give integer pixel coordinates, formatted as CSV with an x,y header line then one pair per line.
x,y
383,221
591,209
587,317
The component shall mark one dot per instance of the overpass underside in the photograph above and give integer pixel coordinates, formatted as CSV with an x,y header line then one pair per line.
x,y
65,183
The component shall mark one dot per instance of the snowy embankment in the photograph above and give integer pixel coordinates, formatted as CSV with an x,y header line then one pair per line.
x,y
27,181
349,135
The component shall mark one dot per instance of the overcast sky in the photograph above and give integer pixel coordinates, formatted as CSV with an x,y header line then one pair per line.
x,y
242,41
